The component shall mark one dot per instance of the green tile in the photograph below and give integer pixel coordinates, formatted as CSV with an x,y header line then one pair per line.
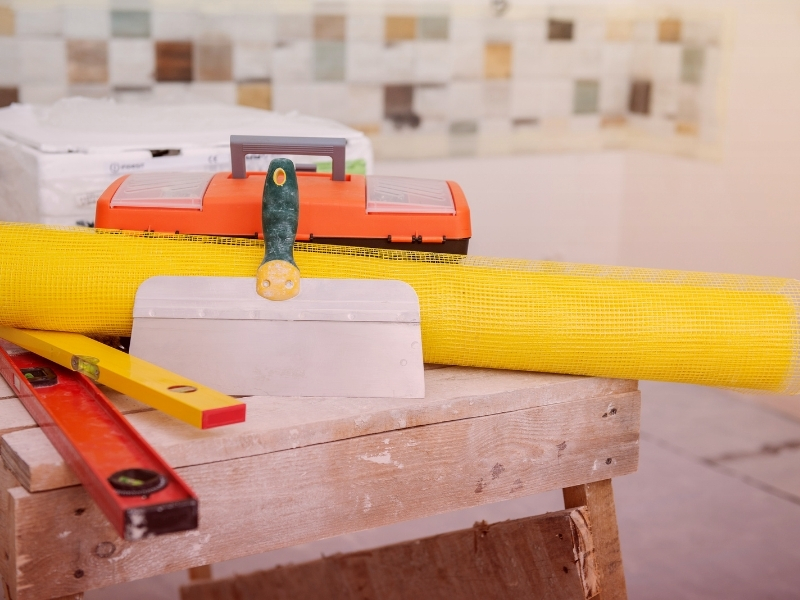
x,y
433,28
587,95
130,23
329,61
692,62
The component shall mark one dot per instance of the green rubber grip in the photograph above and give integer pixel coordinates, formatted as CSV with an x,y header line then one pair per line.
x,y
280,210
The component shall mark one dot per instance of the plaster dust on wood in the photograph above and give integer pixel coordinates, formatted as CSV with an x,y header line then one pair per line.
x,y
283,498
524,559
280,423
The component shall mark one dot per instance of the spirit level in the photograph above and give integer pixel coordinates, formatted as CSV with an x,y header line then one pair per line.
x,y
137,491
186,400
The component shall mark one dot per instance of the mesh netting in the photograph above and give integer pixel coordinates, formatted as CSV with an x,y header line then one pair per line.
x,y
711,329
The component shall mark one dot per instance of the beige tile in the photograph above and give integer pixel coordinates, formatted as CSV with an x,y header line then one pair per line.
x,y
400,28
433,27
619,30
496,99
329,27
6,20
255,94
131,62
497,60
252,60
9,62
669,30
85,23
43,61
213,59
87,61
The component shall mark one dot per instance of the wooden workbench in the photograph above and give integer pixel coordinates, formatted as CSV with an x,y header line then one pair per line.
x,y
302,469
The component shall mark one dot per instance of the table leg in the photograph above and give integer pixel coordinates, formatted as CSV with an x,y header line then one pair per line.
x,y
599,498
200,573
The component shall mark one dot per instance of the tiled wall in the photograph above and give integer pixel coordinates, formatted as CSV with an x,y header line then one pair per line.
x,y
421,79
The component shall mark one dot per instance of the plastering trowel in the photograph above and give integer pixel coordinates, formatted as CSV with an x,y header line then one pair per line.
x,y
278,334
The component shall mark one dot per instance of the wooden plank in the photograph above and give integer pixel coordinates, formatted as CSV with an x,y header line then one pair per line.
x,y
544,557
14,417
7,550
598,496
259,503
279,423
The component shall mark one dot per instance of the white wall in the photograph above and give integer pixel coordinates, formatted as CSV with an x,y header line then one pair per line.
x,y
553,206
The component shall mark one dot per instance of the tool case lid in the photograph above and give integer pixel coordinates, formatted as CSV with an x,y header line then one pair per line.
x,y
162,190
377,300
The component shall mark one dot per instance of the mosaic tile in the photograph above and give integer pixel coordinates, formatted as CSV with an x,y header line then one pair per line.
x,y
329,27
364,62
529,31
586,98
87,61
528,60
431,101
463,139
398,62
616,59
433,61
8,95
132,93
667,62
692,61
465,100
292,28
498,31
558,30
223,92
433,27
293,96
587,60
252,60
331,101
398,105
700,33
589,31
525,101
645,32
619,30
400,28
669,30
86,23
6,22
130,23
496,98
466,29
293,62
174,24
365,105
664,103
255,94
364,28
643,61
497,60
467,59
174,61
213,59
639,99
559,59
131,62
688,105
557,98
9,62
43,61
29,22
614,95
242,27
329,60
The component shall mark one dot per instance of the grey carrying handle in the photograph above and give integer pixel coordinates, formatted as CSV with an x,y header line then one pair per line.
x,y
242,145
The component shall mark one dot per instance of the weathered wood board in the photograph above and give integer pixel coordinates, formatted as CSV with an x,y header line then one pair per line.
x,y
547,557
599,498
280,423
284,498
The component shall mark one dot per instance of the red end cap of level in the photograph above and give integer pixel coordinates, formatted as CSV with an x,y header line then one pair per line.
x,y
227,415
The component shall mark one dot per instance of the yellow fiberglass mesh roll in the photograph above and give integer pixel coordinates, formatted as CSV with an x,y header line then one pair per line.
x,y
721,330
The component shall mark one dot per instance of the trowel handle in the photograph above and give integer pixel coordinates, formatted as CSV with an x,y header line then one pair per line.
x,y
242,145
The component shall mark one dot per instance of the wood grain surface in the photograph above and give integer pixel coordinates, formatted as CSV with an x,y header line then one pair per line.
x,y
281,423
264,501
535,558
599,498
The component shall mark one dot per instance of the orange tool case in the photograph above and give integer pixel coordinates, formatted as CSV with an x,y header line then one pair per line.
x,y
351,210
